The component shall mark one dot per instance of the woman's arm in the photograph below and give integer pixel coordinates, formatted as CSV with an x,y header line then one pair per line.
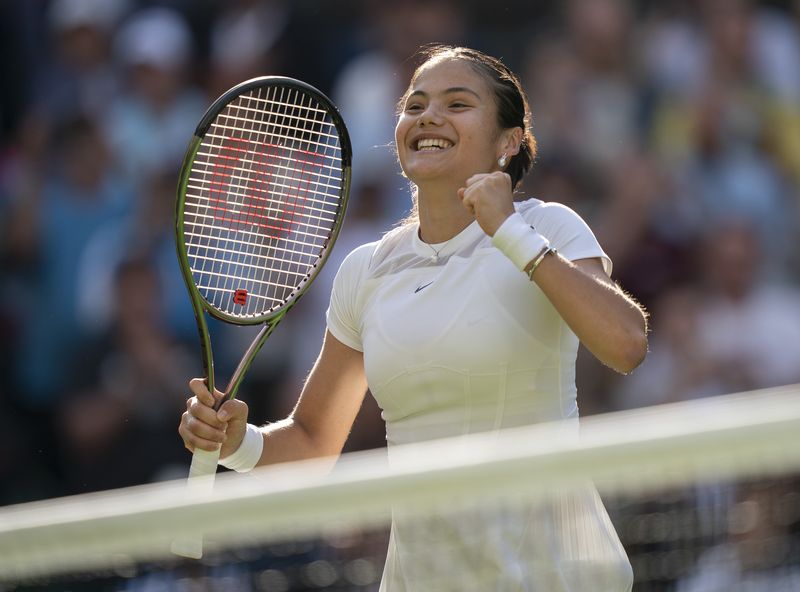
x,y
321,421
607,321
317,427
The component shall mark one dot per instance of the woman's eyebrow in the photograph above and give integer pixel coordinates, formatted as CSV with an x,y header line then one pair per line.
x,y
449,91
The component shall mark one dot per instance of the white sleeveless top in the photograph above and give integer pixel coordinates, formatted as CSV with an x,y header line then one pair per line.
x,y
461,343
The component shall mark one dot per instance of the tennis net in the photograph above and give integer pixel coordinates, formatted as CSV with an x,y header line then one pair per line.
x,y
704,495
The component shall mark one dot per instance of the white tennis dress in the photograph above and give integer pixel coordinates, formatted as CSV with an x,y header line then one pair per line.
x,y
461,343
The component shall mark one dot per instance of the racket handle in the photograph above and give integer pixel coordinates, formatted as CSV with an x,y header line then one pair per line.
x,y
202,473
203,470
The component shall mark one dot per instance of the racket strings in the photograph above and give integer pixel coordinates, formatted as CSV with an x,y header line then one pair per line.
x,y
285,128
262,199
241,159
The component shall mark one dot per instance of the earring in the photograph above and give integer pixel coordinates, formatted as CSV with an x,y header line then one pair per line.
x,y
503,160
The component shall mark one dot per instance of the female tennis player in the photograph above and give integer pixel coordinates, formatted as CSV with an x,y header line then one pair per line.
x,y
465,318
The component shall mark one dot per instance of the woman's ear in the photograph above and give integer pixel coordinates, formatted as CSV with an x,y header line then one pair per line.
x,y
511,141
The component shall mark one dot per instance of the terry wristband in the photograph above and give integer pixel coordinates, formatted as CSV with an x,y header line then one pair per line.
x,y
519,241
246,457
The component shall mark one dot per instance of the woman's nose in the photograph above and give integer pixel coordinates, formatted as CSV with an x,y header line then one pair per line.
x,y
429,117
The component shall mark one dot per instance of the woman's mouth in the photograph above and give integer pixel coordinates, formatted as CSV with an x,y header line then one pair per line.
x,y
433,144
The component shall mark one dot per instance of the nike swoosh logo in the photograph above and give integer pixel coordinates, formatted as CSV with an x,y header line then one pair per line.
x,y
422,287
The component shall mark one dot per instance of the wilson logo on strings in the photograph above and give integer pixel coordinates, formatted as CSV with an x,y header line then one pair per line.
x,y
262,187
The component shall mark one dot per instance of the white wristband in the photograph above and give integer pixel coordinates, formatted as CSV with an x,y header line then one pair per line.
x,y
519,241
245,458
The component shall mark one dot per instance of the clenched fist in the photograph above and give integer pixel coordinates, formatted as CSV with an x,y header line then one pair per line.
x,y
489,198
205,428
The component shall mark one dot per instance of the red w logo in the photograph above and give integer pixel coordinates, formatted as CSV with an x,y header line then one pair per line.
x,y
242,179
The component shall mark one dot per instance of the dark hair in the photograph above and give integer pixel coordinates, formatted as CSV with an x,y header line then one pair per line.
x,y
512,103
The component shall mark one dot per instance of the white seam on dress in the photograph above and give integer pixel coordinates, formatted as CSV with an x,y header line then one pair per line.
x,y
466,426
560,374
502,396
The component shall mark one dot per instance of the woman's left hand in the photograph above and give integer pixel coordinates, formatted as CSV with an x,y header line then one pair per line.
x,y
489,198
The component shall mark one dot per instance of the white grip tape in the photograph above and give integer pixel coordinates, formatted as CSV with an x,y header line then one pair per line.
x,y
204,465
201,480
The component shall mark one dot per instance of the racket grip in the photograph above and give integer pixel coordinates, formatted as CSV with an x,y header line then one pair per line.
x,y
202,473
203,470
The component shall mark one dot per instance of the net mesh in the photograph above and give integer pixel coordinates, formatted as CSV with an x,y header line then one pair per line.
x,y
703,495
262,198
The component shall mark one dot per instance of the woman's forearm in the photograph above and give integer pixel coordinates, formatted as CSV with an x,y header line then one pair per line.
x,y
611,325
288,441
321,421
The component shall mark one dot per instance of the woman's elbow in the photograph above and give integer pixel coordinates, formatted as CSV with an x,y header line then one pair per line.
x,y
632,351
315,442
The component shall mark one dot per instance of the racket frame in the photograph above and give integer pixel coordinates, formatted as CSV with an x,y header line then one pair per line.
x,y
270,319
204,463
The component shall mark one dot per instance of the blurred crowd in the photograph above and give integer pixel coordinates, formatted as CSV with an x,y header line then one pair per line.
x,y
672,127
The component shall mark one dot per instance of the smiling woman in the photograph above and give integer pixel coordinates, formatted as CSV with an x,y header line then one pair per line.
x,y
496,88
465,319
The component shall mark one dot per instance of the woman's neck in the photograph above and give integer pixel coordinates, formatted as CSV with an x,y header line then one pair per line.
x,y
441,215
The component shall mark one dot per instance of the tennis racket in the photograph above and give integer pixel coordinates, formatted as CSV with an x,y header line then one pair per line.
x,y
261,198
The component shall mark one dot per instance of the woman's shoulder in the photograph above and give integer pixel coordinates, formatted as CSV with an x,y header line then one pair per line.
x,y
393,242
360,256
566,230
549,213
539,207
367,255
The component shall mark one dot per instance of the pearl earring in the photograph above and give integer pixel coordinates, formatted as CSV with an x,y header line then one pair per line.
x,y
503,160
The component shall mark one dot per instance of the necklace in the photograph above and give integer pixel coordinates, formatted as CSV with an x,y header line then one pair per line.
x,y
435,257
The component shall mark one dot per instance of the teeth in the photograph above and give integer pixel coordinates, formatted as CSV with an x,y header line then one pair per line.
x,y
433,144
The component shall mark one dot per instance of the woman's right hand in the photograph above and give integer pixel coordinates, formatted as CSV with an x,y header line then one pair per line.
x,y
204,428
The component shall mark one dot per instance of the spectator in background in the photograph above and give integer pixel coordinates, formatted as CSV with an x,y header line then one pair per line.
x,y
748,323
651,252
368,85
245,42
63,190
115,422
677,367
79,76
726,172
777,57
721,126
683,44
731,330
148,233
80,193
584,84
643,224
151,121
75,79
752,555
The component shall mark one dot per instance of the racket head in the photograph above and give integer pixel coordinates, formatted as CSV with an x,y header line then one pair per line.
x,y
261,198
